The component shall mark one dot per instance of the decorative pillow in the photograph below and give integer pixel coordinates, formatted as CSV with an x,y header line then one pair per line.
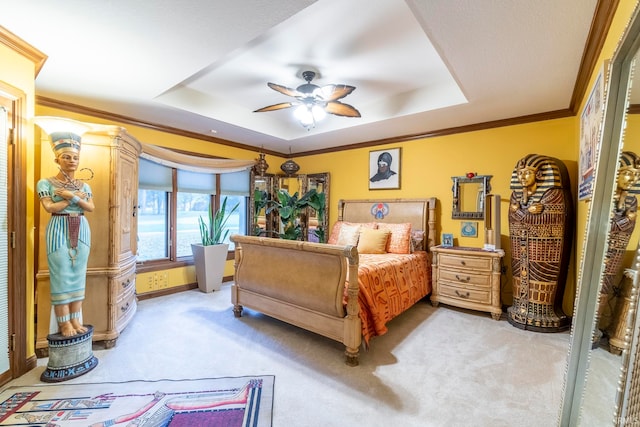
x,y
400,239
417,240
373,241
335,231
348,234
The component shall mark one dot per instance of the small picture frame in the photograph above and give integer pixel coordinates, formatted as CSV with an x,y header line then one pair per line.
x,y
469,229
384,169
447,240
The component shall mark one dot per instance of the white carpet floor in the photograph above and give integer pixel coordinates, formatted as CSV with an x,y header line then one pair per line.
x,y
435,367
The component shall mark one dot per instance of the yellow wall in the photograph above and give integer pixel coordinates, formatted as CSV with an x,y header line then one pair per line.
x,y
182,275
428,164
19,72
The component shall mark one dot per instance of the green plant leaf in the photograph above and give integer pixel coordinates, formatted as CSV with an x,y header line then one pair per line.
x,y
213,232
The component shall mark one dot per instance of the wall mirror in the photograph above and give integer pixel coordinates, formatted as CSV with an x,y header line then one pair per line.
x,y
314,223
317,219
261,190
598,382
291,183
469,196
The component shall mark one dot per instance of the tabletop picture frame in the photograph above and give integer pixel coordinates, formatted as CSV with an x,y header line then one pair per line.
x,y
384,169
447,240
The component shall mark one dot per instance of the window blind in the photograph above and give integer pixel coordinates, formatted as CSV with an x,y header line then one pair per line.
x,y
194,182
154,176
235,183
4,242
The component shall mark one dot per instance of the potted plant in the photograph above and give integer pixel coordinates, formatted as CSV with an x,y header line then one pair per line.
x,y
210,255
289,209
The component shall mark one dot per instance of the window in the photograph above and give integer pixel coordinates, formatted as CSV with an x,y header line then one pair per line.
x,y
171,201
194,196
235,188
152,225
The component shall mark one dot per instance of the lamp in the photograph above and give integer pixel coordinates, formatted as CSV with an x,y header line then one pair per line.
x,y
51,125
309,113
261,165
290,167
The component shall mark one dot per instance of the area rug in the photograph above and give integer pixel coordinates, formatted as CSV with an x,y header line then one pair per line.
x,y
225,402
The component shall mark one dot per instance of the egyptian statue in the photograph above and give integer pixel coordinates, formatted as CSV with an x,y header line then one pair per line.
x,y
541,234
622,224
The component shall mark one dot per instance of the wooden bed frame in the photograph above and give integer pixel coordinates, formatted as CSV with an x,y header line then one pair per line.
x,y
302,283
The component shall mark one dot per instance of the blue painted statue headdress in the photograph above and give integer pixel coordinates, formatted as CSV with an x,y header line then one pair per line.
x,y
65,141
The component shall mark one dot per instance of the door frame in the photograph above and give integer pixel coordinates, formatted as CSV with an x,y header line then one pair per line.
x,y
15,101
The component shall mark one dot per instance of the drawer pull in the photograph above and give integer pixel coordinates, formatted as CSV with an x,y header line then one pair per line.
x,y
461,279
126,284
124,308
462,262
463,295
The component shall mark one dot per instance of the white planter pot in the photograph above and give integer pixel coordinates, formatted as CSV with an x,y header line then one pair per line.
x,y
209,262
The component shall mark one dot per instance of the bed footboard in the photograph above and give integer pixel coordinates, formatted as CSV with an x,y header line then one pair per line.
x,y
301,283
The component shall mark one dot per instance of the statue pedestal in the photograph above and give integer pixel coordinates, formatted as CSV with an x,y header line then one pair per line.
x,y
69,357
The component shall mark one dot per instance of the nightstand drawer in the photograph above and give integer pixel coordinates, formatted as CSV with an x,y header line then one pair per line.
x,y
464,278
461,261
467,278
465,294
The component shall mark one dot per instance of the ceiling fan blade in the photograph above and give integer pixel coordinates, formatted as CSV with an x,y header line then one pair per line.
x,y
275,107
335,92
340,109
283,89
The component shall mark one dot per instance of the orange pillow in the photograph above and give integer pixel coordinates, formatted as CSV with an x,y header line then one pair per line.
x,y
400,239
373,241
335,231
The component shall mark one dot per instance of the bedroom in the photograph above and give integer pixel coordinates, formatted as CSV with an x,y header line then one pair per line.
x,y
428,164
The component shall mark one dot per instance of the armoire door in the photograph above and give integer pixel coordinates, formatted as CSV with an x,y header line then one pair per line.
x,y
128,196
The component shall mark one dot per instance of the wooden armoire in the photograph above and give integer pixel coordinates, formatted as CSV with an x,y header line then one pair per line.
x,y
110,300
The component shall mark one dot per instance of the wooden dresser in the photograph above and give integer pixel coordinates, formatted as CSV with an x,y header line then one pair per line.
x,y
468,278
110,297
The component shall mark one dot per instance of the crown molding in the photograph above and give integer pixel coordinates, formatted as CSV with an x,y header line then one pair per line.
x,y
15,43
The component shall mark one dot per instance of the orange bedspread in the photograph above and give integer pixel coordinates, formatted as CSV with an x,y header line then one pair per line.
x,y
390,284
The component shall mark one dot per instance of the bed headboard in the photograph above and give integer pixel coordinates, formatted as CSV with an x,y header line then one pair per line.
x,y
421,213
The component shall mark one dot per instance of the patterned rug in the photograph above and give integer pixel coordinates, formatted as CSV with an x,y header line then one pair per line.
x,y
225,402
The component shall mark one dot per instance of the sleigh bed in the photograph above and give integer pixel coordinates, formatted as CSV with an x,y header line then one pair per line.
x,y
307,284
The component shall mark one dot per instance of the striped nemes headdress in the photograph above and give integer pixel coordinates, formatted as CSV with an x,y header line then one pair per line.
x,y
630,160
65,141
547,175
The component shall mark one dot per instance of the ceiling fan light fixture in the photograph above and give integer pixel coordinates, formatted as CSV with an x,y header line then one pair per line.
x,y
318,113
313,102
309,114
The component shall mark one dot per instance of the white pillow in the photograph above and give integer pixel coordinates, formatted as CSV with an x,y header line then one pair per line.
x,y
348,235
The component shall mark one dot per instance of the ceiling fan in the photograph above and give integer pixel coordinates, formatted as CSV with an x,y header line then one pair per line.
x,y
313,101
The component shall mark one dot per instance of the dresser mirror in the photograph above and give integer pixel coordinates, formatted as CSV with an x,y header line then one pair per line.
x,y
469,195
597,382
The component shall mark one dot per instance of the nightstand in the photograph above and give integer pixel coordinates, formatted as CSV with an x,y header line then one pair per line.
x,y
468,278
